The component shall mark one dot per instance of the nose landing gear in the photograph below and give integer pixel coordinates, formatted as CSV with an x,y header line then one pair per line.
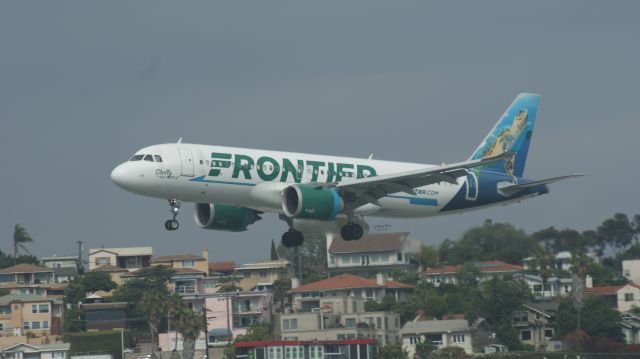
x,y
172,224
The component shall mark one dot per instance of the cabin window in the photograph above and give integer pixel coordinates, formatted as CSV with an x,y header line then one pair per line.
x,y
137,158
159,159
148,158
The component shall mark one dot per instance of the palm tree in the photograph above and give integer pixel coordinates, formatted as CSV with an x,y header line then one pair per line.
x,y
154,306
175,310
190,327
20,237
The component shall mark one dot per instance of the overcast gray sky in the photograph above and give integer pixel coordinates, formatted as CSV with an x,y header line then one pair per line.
x,y
83,85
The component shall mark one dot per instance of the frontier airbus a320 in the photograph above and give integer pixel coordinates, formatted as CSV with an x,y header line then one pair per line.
x,y
233,186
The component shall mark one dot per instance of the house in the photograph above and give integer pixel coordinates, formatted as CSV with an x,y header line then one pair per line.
x,y
192,281
446,333
129,258
65,268
562,261
307,296
184,261
488,269
631,270
105,316
630,325
554,287
261,275
231,315
31,279
535,324
222,268
339,318
374,253
22,313
30,351
622,297
312,349
114,272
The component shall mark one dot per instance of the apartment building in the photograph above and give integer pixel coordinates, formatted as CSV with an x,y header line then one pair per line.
x,y
22,313
31,279
307,297
31,351
129,258
448,274
312,349
374,253
184,261
261,275
65,268
535,324
554,286
622,297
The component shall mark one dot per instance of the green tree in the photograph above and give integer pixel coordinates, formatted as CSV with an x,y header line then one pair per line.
x,y
98,281
618,231
175,310
424,350
450,353
468,276
392,351
154,306
311,256
428,256
499,241
274,252
190,326
229,284
258,332
599,319
20,238
554,240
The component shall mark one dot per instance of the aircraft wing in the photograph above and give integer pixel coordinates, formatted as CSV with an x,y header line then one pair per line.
x,y
369,190
512,189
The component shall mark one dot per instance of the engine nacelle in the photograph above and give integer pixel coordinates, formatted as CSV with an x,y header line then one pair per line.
x,y
310,202
224,217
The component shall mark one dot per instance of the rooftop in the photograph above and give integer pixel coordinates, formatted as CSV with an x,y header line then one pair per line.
x,y
379,242
494,266
348,281
25,268
177,257
438,326
280,263
228,266
608,290
61,258
125,251
10,298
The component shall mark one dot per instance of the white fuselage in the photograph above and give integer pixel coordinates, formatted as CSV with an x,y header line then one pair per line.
x,y
228,175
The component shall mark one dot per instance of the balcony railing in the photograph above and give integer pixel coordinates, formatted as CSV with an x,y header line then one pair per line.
x,y
250,309
186,289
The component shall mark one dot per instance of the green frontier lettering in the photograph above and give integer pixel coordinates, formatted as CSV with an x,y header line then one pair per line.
x,y
288,167
218,162
261,168
269,169
315,169
242,164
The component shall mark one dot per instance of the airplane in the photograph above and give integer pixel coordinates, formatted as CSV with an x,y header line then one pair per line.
x,y
231,187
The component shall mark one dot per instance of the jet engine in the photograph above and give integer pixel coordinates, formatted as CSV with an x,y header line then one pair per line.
x,y
224,217
310,202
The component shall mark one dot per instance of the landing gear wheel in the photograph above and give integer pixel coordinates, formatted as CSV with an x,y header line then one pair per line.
x,y
292,238
171,225
351,232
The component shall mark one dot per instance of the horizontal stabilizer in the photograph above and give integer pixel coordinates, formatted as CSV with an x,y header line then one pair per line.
x,y
512,189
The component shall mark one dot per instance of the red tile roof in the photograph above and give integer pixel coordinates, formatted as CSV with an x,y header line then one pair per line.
x,y
222,267
348,281
608,290
177,257
494,266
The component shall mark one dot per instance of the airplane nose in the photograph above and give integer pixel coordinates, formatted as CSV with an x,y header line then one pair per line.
x,y
120,176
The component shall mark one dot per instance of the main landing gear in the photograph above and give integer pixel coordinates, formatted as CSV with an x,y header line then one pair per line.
x,y
292,237
351,231
172,224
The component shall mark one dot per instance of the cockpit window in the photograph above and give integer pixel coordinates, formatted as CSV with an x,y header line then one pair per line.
x,y
158,158
137,158
148,158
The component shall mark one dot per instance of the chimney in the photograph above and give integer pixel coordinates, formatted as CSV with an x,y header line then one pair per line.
x,y
205,254
295,282
380,279
588,282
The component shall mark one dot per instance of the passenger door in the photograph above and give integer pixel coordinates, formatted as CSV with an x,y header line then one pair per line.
x,y
186,162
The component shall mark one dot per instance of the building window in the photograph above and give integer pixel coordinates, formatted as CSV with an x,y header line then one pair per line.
x,y
399,257
247,274
379,322
316,352
537,288
332,259
628,297
188,263
100,261
35,325
350,323
264,273
290,324
57,354
525,335
34,308
25,325
458,338
43,308
45,324
548,333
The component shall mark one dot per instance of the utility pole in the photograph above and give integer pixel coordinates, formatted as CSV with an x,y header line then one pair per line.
x,y
206,328
230,336
80,256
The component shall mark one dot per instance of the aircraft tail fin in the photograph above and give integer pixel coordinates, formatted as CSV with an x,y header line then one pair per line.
x,y
512,132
